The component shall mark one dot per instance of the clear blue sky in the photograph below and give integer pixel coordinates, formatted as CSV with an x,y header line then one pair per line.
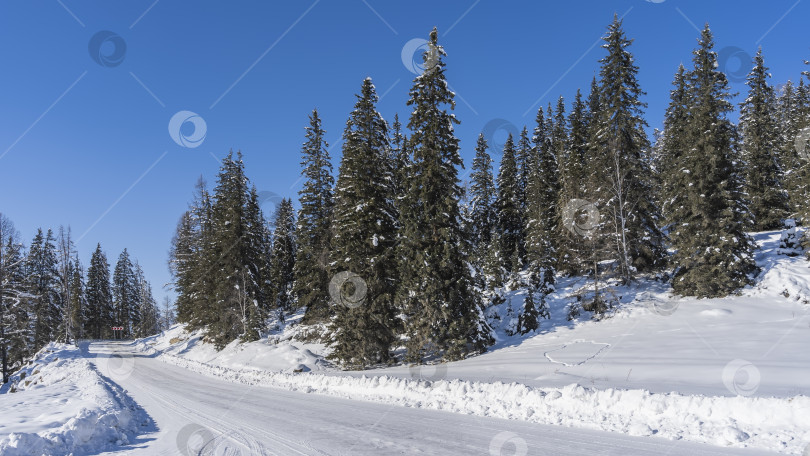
x,y
88,145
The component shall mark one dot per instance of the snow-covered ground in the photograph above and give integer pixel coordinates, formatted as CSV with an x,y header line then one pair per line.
x,y
731,371
658,373
60,404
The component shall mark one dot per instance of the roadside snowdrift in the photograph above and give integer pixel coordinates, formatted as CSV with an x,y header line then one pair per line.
x,y
766,423
59,404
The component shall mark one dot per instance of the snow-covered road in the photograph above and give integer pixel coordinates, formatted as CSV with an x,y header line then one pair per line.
x,y
196,414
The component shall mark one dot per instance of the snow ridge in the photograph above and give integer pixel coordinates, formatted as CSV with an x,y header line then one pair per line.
x,y
108,418
758,422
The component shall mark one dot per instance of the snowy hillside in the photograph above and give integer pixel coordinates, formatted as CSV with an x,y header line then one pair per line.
x,y
728,371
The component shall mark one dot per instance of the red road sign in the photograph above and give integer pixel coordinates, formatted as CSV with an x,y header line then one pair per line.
x,y
117,328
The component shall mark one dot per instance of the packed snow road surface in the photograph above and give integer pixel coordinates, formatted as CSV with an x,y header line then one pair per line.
x,y
196,414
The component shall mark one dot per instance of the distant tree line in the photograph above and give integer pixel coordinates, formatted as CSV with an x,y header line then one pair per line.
x,y
398,254
46,295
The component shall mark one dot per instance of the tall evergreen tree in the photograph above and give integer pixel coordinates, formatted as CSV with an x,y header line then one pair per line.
x,y
78,301
13,312
622,161
100,310
43,288
126,295
311,285
283,258
508,209
542,218
760,142
573,176
714,254
234,250
482,214
364,227
673,144
443,310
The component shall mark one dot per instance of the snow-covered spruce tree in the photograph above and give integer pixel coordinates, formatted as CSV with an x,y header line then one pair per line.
x,y
14,318
790,107
542,216
100,309
188,264
78,300
400,160
282,260
443,309
532,312
125,295
508,209
673,144
573,177
43,288
364,225
65,265
626,194
235,254
149,321
768,200
311,285
714,253
523,154
258,248
482,214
